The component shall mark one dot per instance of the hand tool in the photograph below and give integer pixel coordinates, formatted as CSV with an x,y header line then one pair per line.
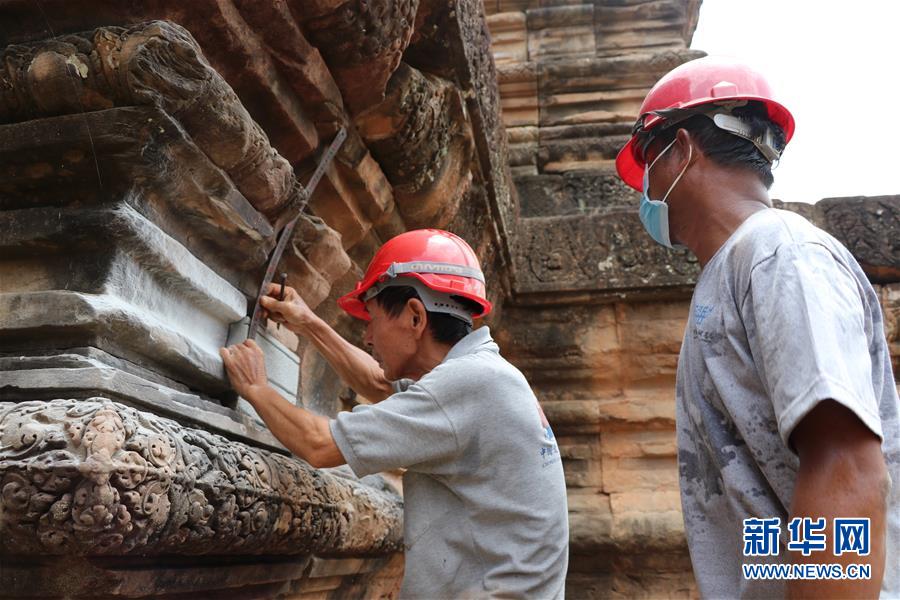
x,y
288,230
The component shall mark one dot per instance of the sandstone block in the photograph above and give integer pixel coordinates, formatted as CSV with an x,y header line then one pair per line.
x,y
643,442
509,37
645,473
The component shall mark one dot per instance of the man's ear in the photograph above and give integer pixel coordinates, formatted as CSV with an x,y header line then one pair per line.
x,y
418,316
685,149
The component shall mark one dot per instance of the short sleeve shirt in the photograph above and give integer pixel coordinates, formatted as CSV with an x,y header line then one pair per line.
x,y
782,318
484,493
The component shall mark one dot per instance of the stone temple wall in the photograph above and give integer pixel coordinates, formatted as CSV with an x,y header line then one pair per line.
x,y
150,152
598,310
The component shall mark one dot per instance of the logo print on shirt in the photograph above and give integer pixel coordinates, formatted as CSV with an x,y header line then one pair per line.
x,y
701,311
549,450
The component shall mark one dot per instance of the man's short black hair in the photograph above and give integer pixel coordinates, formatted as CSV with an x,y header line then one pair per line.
x,y
445,328
726,149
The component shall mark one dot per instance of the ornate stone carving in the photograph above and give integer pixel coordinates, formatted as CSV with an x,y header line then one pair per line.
x,y
363,41
604,253
574,193
870,228
420,136
94,477
458,29
159,64
483,97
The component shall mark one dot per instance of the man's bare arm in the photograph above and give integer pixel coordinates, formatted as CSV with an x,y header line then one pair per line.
x,y
354,365
842,474
302,432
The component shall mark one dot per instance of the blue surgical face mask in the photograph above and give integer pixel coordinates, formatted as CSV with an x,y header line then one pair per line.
x,y
655,213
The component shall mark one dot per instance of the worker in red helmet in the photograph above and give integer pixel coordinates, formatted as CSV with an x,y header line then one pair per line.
x,y
485,510
787,409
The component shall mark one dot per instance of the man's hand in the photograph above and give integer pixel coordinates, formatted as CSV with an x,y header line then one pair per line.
x,y
305,434
246,368
354,365
292,311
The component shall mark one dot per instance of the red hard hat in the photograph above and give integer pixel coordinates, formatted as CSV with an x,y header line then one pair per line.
x,y
442,261
702,81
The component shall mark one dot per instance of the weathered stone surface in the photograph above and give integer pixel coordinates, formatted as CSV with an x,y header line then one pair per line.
x,y
509,37
104,375
145,157
90,578
574,193
561,30
607,252
305,71
128,305
623,27
870,228
420,136
474,71
362,42
518,86
92,477
890,304
156,64
592,90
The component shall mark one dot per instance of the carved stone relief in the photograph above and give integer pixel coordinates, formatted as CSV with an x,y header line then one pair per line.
x,y
421,138
608,252
159,64
363,42
94,477
870,228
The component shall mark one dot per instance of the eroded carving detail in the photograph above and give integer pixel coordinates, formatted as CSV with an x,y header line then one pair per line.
x,y
870,228
420,136
94,477
606,251
362,42
157,63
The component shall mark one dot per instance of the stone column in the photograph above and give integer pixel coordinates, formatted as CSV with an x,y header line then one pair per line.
x,y
138,206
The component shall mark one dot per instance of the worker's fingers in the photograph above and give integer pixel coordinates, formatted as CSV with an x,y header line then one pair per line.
x,y
273,305
276,309
274,291
253,345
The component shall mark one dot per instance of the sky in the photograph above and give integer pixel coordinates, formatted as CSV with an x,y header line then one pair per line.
x,y
834,65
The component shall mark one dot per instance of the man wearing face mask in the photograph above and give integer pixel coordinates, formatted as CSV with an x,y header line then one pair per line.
x,y
786,402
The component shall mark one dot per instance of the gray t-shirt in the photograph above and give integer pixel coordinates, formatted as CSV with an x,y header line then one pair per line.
x,y
485,498
782,318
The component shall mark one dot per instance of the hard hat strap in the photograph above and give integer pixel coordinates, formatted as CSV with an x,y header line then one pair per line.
x,y
720,113
440,302
765,142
